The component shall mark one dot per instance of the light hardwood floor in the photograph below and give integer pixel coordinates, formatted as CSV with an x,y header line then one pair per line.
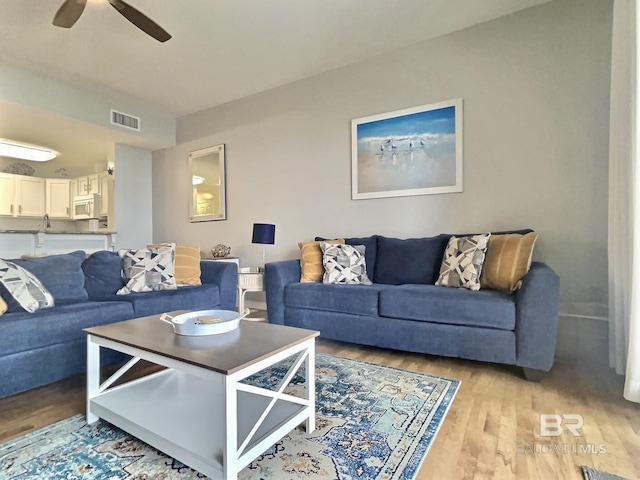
x,y
490,432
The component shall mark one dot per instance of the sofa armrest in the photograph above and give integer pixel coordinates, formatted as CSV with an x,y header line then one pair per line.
x,y
537,306
277,275
225,275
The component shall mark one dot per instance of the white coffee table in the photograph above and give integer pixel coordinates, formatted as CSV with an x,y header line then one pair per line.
x,y
197,410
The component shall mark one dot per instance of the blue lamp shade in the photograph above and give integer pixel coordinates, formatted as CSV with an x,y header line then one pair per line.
x,y
264,233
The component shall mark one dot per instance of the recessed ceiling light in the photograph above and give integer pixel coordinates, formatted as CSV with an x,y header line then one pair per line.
x,y
25,152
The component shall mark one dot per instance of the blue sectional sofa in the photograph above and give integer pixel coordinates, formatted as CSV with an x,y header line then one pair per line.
x,y
404,310
49,344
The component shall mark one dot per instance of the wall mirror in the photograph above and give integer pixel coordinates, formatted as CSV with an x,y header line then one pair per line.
x,y
207,200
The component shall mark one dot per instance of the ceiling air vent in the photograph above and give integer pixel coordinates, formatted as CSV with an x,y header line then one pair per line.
x,y
124,120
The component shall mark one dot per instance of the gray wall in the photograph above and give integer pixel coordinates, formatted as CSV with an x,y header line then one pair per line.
x,y
132,189
535,87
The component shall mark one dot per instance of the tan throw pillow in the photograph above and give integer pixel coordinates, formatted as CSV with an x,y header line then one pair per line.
x,y
508,261
3,306
187,266
312,269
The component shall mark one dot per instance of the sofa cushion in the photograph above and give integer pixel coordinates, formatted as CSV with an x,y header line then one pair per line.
x,y
462,262
355,299
61,274
102,275
508,260
23,331
21,289
371,246
412,260
344,264
201,297
455,306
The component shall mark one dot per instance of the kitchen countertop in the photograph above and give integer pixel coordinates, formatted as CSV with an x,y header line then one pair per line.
x,y
60,232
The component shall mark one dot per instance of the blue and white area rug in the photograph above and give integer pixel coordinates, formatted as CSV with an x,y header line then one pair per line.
x,y
373,422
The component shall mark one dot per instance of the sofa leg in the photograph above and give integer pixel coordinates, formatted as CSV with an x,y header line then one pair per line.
x,y
533,375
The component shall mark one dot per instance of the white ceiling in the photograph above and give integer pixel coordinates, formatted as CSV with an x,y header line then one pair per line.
x,y
222,50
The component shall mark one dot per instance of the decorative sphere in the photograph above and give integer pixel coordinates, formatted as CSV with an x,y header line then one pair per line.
x,y
220,250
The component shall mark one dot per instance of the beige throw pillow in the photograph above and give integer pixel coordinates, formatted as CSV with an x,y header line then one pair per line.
x,y
3,306
508,261
187,266
312,269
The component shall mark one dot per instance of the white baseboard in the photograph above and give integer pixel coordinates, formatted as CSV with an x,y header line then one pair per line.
x,y
592,310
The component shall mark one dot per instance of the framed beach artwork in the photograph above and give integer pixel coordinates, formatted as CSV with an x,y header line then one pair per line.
x,y
415,151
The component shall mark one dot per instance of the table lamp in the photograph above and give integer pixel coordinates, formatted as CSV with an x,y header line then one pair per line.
x,y
264,234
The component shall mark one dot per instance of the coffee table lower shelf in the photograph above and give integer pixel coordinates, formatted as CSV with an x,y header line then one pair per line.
x,y
163,406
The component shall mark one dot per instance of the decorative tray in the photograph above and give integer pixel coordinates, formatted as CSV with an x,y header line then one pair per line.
x,y
204,322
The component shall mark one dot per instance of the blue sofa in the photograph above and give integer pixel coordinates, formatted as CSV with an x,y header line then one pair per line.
x,y
405,310
49,344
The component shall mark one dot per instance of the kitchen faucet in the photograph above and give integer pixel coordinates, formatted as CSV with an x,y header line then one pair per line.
x,y
45,221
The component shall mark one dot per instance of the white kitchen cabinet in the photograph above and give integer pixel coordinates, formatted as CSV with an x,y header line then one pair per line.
x,y
21,196
58,197
30,194
89,185
73,187
106,193
7,194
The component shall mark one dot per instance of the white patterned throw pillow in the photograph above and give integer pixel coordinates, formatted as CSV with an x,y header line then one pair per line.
x,y
344,264
24,287
462,262
148,269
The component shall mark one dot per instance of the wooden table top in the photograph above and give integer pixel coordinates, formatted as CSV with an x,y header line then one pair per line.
x,y
224,353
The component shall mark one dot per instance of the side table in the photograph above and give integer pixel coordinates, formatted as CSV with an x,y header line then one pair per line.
x,y
250,279
235,260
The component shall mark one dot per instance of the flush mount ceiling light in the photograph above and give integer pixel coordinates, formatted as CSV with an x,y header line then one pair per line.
x,y
197,180
25,152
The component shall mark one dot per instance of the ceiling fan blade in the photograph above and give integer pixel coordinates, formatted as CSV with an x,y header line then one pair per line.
x,y
69,13
140,20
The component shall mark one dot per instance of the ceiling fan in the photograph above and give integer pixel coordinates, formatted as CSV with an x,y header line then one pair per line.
x,y
70,11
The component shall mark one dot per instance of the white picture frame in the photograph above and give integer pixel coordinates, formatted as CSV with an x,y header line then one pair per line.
x,y
414,151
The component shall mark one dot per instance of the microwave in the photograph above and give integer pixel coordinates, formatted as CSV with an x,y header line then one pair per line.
x,y
86,207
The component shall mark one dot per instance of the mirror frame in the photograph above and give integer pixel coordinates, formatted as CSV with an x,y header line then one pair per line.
x,y
193,217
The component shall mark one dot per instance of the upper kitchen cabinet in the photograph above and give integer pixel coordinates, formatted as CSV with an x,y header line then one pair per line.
x,y
30,195
7,194
88,185
58,197
21,196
